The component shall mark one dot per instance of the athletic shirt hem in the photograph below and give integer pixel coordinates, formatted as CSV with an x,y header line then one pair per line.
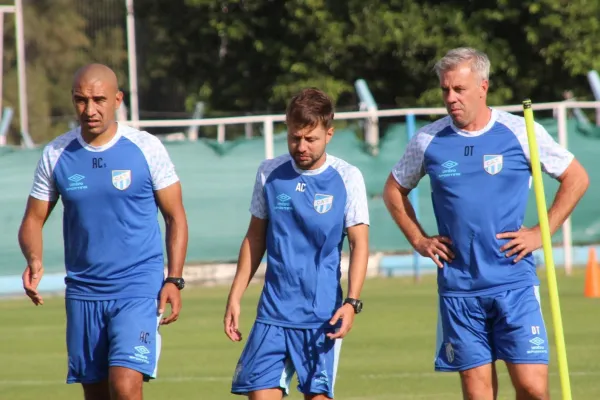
x,y
490,290
294,325
109,296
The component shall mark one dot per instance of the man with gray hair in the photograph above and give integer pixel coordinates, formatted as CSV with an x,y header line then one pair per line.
x,y
478,162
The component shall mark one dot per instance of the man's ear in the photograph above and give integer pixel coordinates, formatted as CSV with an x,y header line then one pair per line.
x,y
485,84
329,134
119,99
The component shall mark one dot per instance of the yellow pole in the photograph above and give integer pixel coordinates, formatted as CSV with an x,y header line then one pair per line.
x,y
538,188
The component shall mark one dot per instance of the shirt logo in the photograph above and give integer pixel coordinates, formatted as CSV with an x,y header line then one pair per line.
x,y
121,179
492,164
449,164
283,202
449,169
76,182
323,203
76,178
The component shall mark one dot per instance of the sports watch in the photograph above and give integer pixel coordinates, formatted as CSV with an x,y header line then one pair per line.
x,y
179,282
355,303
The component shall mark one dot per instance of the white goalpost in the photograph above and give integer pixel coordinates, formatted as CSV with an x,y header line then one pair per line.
x,y
17,10
132,63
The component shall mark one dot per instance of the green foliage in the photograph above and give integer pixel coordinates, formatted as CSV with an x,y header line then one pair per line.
x,y
57,43
251,56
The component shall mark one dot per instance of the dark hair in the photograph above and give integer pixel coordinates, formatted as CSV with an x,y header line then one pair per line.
x,y
308,108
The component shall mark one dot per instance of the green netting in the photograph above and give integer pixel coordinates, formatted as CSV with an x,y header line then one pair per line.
x,y
587,129
217,186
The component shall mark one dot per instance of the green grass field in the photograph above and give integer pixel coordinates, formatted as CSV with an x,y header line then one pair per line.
x,y
387,356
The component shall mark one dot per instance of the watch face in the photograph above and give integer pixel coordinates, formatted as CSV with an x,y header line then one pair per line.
x,y
179,282
358,307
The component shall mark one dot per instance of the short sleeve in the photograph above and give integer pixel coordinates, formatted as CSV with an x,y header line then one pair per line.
x,y
554,158
44,187
409,170
258,206
162,169
357,207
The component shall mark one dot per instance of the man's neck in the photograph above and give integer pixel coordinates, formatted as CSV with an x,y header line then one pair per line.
x,y
101,139
480,121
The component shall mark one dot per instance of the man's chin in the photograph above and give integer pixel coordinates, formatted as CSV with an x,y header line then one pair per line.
x,y
458,122
96,131
304,164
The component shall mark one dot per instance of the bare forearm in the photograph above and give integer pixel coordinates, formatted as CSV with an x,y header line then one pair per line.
x,y
357,270
403,214
177,241
251,254
31,241
568,195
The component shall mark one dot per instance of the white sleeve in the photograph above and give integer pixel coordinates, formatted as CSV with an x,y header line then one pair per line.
x,y
409,170
258,206
162,169
357,207
554,158
43,181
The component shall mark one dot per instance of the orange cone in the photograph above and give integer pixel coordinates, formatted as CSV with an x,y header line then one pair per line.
x,y
592,276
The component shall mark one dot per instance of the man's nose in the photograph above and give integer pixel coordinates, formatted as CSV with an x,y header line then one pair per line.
x,y
302,147
90,108
451,96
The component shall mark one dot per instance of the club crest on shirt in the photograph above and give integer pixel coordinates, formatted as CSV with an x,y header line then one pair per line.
x,y
492,163
121,179
323,203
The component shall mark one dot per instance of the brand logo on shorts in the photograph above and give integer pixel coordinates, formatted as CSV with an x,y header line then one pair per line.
x,y
141,354
322,378
538,346
537,341
449,352
237,371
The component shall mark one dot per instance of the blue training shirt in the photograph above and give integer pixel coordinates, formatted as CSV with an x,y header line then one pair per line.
x,y
112,240
308,213
480,183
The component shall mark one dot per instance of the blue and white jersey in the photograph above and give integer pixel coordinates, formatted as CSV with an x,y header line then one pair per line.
x,y
308,214
112,240
480,183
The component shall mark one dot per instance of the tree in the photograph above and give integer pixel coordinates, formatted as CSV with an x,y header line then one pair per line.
x,y
56,45
251,56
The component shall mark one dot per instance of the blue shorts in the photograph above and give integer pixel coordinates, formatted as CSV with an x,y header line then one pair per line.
x,y
474,331
111,333
272,354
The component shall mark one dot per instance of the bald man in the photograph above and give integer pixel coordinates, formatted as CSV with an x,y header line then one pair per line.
x,y
111,179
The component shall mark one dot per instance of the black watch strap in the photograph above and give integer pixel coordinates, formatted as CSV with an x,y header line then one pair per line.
x,y
179,282
355,303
